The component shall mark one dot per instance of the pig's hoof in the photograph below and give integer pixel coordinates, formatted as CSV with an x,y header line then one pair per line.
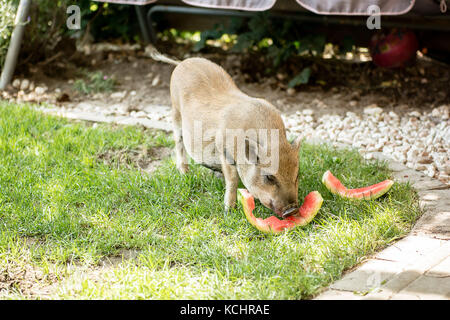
x,y
228,209
183,168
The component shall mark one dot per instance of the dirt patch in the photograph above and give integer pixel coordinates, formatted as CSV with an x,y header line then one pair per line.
x,y
143,159
22,279
122,255
26,280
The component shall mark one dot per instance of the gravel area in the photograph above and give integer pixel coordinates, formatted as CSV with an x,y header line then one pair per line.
x,y
419,140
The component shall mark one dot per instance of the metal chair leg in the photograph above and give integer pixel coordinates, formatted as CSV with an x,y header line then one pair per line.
x,y
140,12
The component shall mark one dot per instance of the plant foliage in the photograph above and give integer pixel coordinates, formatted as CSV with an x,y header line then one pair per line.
x,y
7,15
279,39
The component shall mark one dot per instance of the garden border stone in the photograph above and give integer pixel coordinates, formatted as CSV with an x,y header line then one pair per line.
x,y
99,117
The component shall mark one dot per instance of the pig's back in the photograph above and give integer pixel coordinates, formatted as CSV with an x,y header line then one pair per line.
x,y
199,78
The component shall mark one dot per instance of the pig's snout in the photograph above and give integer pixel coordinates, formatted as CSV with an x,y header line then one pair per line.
x,y
289,212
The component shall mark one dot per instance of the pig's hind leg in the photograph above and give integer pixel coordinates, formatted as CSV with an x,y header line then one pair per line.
x,y
181,156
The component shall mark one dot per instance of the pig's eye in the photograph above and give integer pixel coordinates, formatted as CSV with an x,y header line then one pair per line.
x,y
270,179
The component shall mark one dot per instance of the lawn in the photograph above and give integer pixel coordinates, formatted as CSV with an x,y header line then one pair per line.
x,y
75,226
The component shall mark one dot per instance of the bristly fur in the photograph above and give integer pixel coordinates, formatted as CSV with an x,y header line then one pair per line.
x,y
204,94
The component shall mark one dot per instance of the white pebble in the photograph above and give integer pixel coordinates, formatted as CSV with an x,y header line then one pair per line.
x,y
156,80
40,90
373,109
25,84
16,83
118,95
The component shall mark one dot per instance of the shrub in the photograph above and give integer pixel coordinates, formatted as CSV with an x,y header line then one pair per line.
x,y
277,39
47,34
7,15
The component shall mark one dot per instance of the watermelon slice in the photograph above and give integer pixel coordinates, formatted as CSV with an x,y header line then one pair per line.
x,y
367,193
311,205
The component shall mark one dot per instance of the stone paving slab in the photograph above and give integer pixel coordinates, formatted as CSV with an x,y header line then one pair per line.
x,y
426,288
416,272
368,276
332,294
410,249
435,222
396,266
442,270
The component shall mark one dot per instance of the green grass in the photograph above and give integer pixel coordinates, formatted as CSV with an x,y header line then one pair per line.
x,y
64,212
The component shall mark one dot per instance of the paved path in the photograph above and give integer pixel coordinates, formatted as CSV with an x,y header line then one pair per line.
x,y
416,267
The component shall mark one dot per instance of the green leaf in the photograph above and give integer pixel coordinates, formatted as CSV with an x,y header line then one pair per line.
x,y
243,41
311,43
216,33
301,78
234,26
258,26
347,44
318,42
199,45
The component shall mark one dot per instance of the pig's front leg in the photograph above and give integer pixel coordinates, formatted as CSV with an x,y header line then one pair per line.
x,y
231,183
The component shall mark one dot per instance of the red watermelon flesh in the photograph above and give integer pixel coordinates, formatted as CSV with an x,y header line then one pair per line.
x,y
367,193
311,205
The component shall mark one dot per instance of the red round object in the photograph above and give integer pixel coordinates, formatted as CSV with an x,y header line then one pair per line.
x,y
393,50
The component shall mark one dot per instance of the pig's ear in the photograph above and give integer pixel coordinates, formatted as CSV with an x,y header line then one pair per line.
x,y
251,151
297,143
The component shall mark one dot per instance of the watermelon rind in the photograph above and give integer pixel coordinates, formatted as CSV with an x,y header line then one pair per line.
x,y
310,207
248,204
372,192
